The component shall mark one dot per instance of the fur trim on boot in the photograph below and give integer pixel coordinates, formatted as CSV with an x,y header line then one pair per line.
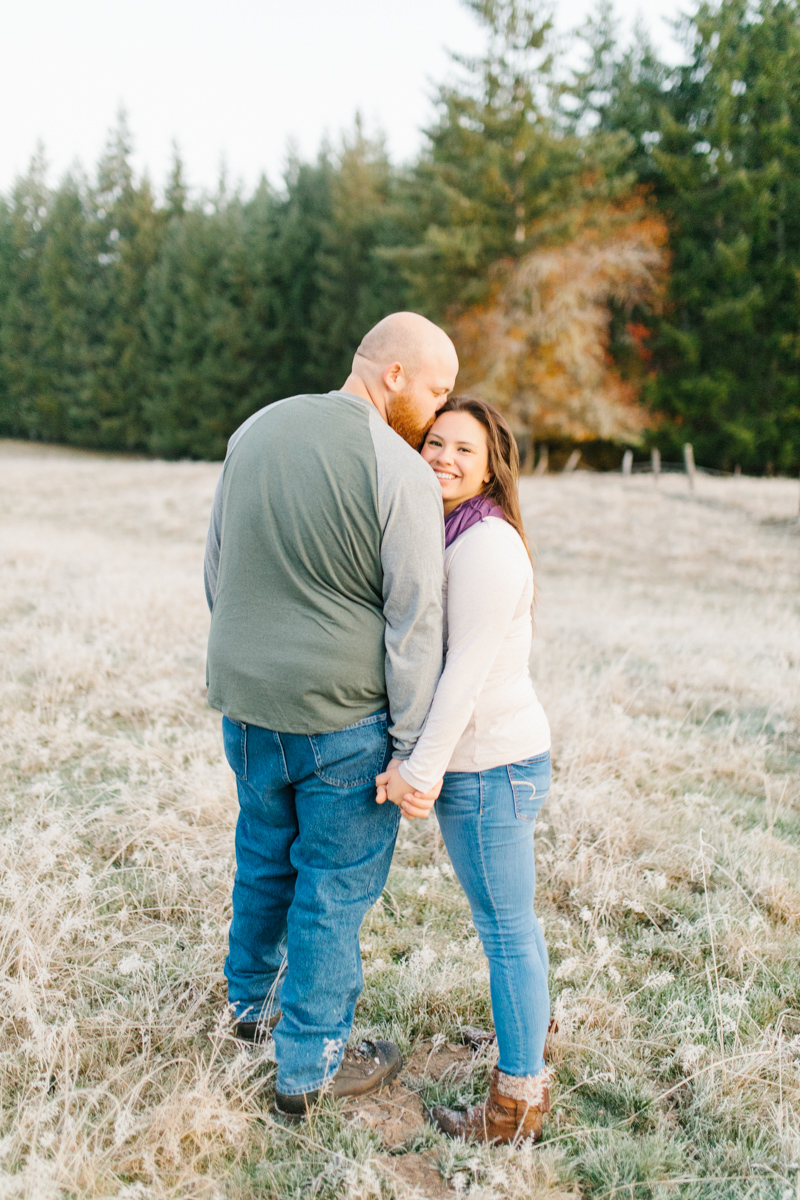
x,y
513,1111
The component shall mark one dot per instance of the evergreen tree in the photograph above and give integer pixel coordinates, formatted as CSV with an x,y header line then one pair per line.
x,y
25,332
194,313
70,298
128,232
719,142
501,158
358,280
301,216
176,191
8,416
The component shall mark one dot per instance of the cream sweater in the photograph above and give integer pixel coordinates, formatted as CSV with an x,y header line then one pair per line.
x,y
485,712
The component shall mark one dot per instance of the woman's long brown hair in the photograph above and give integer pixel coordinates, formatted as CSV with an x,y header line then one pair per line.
x,y
503,457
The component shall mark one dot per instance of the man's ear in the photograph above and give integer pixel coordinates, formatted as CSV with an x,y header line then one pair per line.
x,y
394,377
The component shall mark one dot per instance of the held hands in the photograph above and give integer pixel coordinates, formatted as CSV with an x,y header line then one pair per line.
x,y
392,786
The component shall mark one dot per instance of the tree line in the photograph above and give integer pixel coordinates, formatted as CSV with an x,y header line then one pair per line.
x,y
615,248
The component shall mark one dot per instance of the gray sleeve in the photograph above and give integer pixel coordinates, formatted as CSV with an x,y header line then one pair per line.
x,y
211,562
412,557
214,538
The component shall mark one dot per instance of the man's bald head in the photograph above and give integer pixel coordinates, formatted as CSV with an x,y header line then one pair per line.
x,y
407,338
406,366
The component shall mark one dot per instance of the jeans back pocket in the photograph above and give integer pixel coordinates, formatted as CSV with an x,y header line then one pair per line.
x,y
353,756
530,783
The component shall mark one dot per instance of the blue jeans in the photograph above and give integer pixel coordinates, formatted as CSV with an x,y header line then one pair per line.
x,y
313,851
487,822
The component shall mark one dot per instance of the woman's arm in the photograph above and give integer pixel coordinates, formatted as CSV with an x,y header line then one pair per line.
x,y
486,578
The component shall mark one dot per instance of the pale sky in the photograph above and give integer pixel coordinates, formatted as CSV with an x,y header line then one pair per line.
x,y
232,79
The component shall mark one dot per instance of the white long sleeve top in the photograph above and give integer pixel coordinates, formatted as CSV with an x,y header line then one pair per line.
x,y
485,712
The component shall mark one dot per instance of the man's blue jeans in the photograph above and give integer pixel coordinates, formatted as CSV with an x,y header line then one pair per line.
x,y
487,822
313,851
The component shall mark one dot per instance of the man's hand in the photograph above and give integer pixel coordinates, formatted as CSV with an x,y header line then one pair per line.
x,y
392,786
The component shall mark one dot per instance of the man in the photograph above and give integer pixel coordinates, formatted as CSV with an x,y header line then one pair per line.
x,y
323,574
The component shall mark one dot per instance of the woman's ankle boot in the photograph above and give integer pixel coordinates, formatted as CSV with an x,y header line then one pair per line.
x,y
512,1112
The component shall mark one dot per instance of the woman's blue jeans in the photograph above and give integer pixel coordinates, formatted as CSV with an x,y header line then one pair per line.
x,y
313,851
487,821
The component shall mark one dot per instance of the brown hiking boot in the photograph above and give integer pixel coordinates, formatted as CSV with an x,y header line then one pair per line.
x,y
365,1068
512,1113
256,1031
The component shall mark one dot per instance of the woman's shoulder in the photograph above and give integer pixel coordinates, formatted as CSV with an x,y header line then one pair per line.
x,y
494,541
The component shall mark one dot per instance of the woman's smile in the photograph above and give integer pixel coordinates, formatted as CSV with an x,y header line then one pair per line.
x,y
457,451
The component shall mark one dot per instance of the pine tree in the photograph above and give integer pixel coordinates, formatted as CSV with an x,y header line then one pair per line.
x,y
25,333
128,231
71,295
500,160
718,140
176,191
8,421
196,297
301,216
357,278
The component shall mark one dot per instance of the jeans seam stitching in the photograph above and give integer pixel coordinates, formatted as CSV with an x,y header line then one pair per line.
x,y
369,887
284,764
373,720
513,789
350,782
496,919
317,763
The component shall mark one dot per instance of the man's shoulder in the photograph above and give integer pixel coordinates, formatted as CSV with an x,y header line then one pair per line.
x,y
291,407
400,461
239,433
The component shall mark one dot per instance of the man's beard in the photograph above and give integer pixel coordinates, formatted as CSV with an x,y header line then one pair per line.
x,y
403,417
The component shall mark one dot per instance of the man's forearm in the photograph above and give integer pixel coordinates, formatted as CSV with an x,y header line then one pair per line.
x,y
413,667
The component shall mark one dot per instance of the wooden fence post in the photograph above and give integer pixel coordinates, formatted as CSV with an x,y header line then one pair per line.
x,y
655,458
528,452
688,458
627,462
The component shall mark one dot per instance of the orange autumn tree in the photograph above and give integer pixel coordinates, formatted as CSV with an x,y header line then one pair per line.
x,y
538,348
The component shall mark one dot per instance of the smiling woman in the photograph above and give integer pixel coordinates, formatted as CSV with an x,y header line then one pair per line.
x,y
457,449
474,453
487,740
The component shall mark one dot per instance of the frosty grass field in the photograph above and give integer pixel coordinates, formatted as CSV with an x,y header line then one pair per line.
x,y
668,657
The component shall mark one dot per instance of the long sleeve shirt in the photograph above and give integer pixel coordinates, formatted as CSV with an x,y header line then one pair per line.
x,y
323,572
485,712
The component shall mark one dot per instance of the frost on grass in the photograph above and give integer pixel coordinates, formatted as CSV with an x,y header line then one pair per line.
x,y
667,655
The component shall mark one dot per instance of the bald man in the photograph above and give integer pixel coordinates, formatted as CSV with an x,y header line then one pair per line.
x,y
323,574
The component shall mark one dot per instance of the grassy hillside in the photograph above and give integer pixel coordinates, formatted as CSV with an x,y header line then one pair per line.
x,y
667,655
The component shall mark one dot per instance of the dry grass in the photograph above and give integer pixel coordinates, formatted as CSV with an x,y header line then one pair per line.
x,y
667,656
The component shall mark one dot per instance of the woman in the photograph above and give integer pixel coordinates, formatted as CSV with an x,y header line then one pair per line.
x,y
488,731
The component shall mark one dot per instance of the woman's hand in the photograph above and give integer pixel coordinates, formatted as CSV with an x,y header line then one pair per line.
x,y
392,786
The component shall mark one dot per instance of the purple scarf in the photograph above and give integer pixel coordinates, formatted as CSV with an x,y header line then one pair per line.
x,y
469,513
